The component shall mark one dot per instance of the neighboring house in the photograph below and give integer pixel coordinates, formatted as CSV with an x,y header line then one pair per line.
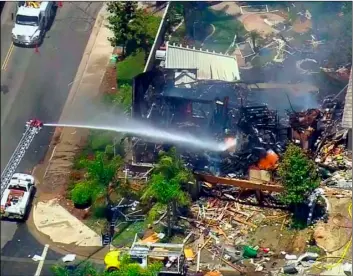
x,y
347,114
195,64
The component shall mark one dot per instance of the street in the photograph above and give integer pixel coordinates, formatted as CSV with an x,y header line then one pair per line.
x,y
36,85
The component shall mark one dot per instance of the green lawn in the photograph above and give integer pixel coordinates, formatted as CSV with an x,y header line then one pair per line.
x,y
226,27
130,67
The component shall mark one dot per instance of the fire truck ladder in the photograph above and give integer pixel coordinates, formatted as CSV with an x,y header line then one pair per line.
x,y
32,129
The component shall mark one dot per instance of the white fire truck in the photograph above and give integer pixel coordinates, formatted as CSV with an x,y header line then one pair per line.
x,y
32,20
17,196
17,189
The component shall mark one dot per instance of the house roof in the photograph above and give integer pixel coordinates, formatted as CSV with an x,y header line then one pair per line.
x,y
209,65
347,113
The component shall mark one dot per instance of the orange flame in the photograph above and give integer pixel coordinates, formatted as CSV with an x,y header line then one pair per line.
x,y
269,162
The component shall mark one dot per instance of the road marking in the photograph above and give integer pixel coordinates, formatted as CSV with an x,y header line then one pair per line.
x,y
41,262
7,57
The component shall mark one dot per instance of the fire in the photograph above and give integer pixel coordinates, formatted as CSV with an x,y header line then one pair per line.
x,y
269,162
230,143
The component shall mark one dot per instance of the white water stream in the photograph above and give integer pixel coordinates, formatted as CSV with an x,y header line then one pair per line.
x,y
154,134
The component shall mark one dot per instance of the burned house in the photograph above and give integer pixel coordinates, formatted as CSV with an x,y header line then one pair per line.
x,y
208,108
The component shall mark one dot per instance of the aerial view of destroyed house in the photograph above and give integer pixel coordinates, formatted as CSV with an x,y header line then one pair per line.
x,y
176,138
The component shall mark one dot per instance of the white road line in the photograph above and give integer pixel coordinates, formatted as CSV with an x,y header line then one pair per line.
x,y
41,263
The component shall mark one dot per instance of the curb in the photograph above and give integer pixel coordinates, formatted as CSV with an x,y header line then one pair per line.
x,y
40,237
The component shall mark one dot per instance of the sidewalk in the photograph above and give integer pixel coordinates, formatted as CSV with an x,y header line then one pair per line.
x,y
50,222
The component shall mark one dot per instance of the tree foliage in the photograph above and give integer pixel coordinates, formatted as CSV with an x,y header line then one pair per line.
x,y
132,27
121,15
82,193
298,174
166,182
101,169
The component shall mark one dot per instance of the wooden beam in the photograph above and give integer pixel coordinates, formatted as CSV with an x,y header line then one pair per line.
x,y
245,184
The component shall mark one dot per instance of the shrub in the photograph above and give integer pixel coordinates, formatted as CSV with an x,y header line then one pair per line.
x,y
298,175
77,163
81,194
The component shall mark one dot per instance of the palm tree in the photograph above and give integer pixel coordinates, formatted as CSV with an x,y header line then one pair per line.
x,y
254,36
101,172
166,182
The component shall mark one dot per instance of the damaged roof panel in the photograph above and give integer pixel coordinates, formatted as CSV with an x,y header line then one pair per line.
x,y
347,114
209,65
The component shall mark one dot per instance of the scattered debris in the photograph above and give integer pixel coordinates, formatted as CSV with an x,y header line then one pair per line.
x,y
69,258
37,258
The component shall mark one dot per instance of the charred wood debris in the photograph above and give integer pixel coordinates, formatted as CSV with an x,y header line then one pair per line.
x,y
230,111
218,221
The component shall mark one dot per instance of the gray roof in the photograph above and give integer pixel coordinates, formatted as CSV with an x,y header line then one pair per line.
x,y
209,65
347,113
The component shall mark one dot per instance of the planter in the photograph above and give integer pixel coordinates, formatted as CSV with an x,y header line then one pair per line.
x,y
83,205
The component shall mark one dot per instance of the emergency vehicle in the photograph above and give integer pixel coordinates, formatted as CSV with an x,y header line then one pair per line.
x,y
32,20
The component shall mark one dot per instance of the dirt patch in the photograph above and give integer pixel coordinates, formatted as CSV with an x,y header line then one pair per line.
x,y
278,240
334,236
109,83
229,8
255,22
302,26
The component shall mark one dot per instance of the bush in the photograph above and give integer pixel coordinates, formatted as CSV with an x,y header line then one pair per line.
x,y
81,194
122,99
77,163
298,174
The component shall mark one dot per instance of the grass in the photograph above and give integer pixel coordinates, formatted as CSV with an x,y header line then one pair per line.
x,y
130,67
226,27
126,235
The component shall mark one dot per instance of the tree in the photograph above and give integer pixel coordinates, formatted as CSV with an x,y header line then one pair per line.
x,y
121,15
144,29
132,27
166,182
298,174
254,36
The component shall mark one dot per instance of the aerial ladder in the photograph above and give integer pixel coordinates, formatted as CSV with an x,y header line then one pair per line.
x,y
32,129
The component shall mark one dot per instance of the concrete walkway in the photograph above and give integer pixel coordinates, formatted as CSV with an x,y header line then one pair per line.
x,y
51,223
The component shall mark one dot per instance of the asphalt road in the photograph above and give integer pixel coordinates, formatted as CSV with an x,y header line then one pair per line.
x,y
36,85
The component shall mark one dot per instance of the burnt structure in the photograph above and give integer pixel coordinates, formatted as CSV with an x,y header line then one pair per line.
x,y
218,109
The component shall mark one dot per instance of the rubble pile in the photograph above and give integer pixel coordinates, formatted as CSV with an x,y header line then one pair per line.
x,y
335,162
222,228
